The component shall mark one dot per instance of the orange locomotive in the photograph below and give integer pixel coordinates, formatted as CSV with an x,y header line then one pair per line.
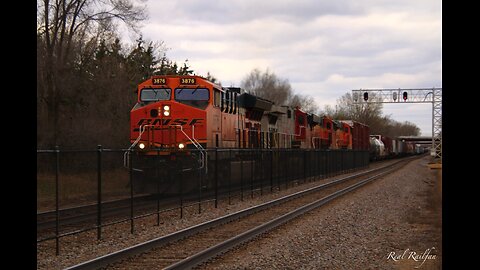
x,y
175,112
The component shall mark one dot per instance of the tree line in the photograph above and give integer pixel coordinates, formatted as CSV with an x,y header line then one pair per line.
x,y
372,115
87,77
269,86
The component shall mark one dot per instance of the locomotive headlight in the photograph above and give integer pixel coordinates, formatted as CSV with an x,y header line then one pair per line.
x,y
181,146
141,145
166,110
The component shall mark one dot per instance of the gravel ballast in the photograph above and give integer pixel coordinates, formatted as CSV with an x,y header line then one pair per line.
x,y
334,251
392,223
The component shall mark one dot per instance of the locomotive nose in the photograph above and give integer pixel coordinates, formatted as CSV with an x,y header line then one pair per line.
x,y
162,110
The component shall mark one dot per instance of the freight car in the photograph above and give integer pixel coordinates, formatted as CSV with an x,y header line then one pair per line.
x,y
387,143
377,149
383,147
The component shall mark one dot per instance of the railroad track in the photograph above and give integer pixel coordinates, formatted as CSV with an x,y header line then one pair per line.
x,y
194,245
87,213
82,218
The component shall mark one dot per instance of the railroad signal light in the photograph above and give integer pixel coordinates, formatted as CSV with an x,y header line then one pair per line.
x,y
405,95
365,96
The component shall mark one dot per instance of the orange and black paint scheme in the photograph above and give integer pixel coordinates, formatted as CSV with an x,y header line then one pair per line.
x,y
323,133
177,119
175,113
344,138
179,112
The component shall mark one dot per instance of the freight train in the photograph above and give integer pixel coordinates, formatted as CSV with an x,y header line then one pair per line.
x,y
190,112
180,117
384,147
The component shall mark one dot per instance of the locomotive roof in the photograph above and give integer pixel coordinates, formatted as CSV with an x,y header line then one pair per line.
x,y
250,101
278,109
352,122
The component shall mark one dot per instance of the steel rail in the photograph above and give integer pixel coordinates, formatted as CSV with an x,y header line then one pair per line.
x,y
90,205
103,261
87,212
212,252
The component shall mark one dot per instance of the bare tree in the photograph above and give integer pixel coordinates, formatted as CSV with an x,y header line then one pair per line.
x,y
267,85
367,112
371,114
61,26
305,102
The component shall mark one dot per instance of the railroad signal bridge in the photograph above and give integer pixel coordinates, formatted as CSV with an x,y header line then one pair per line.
x,y
414,95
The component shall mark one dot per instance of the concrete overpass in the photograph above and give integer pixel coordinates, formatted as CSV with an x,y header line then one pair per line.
x,y
417,139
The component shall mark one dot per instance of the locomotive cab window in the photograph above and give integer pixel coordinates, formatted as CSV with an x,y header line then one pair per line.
x,y
195,97
155,94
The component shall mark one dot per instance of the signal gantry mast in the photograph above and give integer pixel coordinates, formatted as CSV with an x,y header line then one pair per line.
x,y
414,95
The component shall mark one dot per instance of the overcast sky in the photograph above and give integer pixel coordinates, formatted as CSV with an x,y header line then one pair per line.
x,y
324,48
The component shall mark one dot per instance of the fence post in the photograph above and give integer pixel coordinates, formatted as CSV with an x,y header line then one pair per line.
x,y
157,157
262,168
131,190
252,175
287,152
200,180
326,157
241,177
57,220
229,175
304,165
180,170
216,177
342,162
99,192
271,170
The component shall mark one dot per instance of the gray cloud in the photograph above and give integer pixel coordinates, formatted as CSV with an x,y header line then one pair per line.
x,y
324,48
238,11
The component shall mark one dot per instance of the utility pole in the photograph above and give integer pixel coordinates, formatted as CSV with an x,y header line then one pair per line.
x,y
415,95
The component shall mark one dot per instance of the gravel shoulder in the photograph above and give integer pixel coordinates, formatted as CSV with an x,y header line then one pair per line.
x,y
392,223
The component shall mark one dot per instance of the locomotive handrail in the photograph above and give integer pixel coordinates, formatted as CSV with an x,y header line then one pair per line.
x,y
300,130
285,136
201,149
140,133
193,137
313,141
203,153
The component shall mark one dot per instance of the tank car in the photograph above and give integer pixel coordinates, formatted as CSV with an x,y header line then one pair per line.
x,y
377,148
